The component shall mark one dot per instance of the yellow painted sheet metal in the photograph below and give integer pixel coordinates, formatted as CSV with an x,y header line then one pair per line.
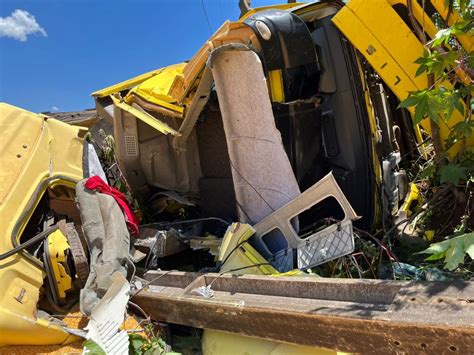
x,y
145,117
428,25
127,84
383,38
158,89
57,246
17,144
236,253
218,343
419,14
33,148
413,196
275,81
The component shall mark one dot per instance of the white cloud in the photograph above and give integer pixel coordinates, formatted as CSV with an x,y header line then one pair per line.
x,y
55,108
19,25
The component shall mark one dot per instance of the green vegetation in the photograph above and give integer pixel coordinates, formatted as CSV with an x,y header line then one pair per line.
x,y
448,175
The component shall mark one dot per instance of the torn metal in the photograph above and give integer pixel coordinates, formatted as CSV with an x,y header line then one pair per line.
x,y
314,249
233,157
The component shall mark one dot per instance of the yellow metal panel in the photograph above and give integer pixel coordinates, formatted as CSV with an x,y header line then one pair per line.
x,y
158,88
383,38
427,24
33,148
57,246
145,117
413,195
420,16
16,145
217,343
275,81
127,84
388,33
237,253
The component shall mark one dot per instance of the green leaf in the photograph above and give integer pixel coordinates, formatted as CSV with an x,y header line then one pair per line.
x,y
453,250
433,112
154,351
421,109
469,244
408,102
471,60
458,105
427,172
437,248
455,254
452,173
118,184
92,348
442,37
421,69
452,101
436,256
463,128
422,60
136,343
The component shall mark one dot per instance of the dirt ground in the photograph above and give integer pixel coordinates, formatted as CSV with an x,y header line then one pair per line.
x,y
73,320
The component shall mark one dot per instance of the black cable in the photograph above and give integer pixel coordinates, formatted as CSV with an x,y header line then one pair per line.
x,y
232,251
156,224
207,18
247,267
245,212
418,145
248,183
37,238
137,307
149,283
272,258
237,269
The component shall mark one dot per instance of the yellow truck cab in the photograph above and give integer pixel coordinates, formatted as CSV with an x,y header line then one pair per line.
x,y
334,75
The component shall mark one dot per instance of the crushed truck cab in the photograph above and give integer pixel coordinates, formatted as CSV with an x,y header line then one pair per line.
x,y
283,136
39,155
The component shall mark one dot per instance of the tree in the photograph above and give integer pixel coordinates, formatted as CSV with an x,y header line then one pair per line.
x,y
450,72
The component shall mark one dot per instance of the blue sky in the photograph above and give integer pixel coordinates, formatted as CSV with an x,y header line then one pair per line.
x,y
87,45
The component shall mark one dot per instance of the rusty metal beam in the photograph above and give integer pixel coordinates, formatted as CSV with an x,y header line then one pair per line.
x,y
368,316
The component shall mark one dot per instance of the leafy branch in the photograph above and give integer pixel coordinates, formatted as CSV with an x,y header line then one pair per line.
x,y
449,71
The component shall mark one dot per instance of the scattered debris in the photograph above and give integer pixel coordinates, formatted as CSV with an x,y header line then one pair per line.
x,y
108,315
224,198
108,241
316,248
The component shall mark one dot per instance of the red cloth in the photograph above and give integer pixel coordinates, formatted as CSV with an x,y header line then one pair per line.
x,y
95,183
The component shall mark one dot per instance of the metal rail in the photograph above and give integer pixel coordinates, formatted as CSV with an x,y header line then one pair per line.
x,y
368,316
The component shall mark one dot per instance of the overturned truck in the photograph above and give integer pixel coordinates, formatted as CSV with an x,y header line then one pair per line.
x,y
261,155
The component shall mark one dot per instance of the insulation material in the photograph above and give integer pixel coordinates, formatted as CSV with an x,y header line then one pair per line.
x,y
261,171
108,241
